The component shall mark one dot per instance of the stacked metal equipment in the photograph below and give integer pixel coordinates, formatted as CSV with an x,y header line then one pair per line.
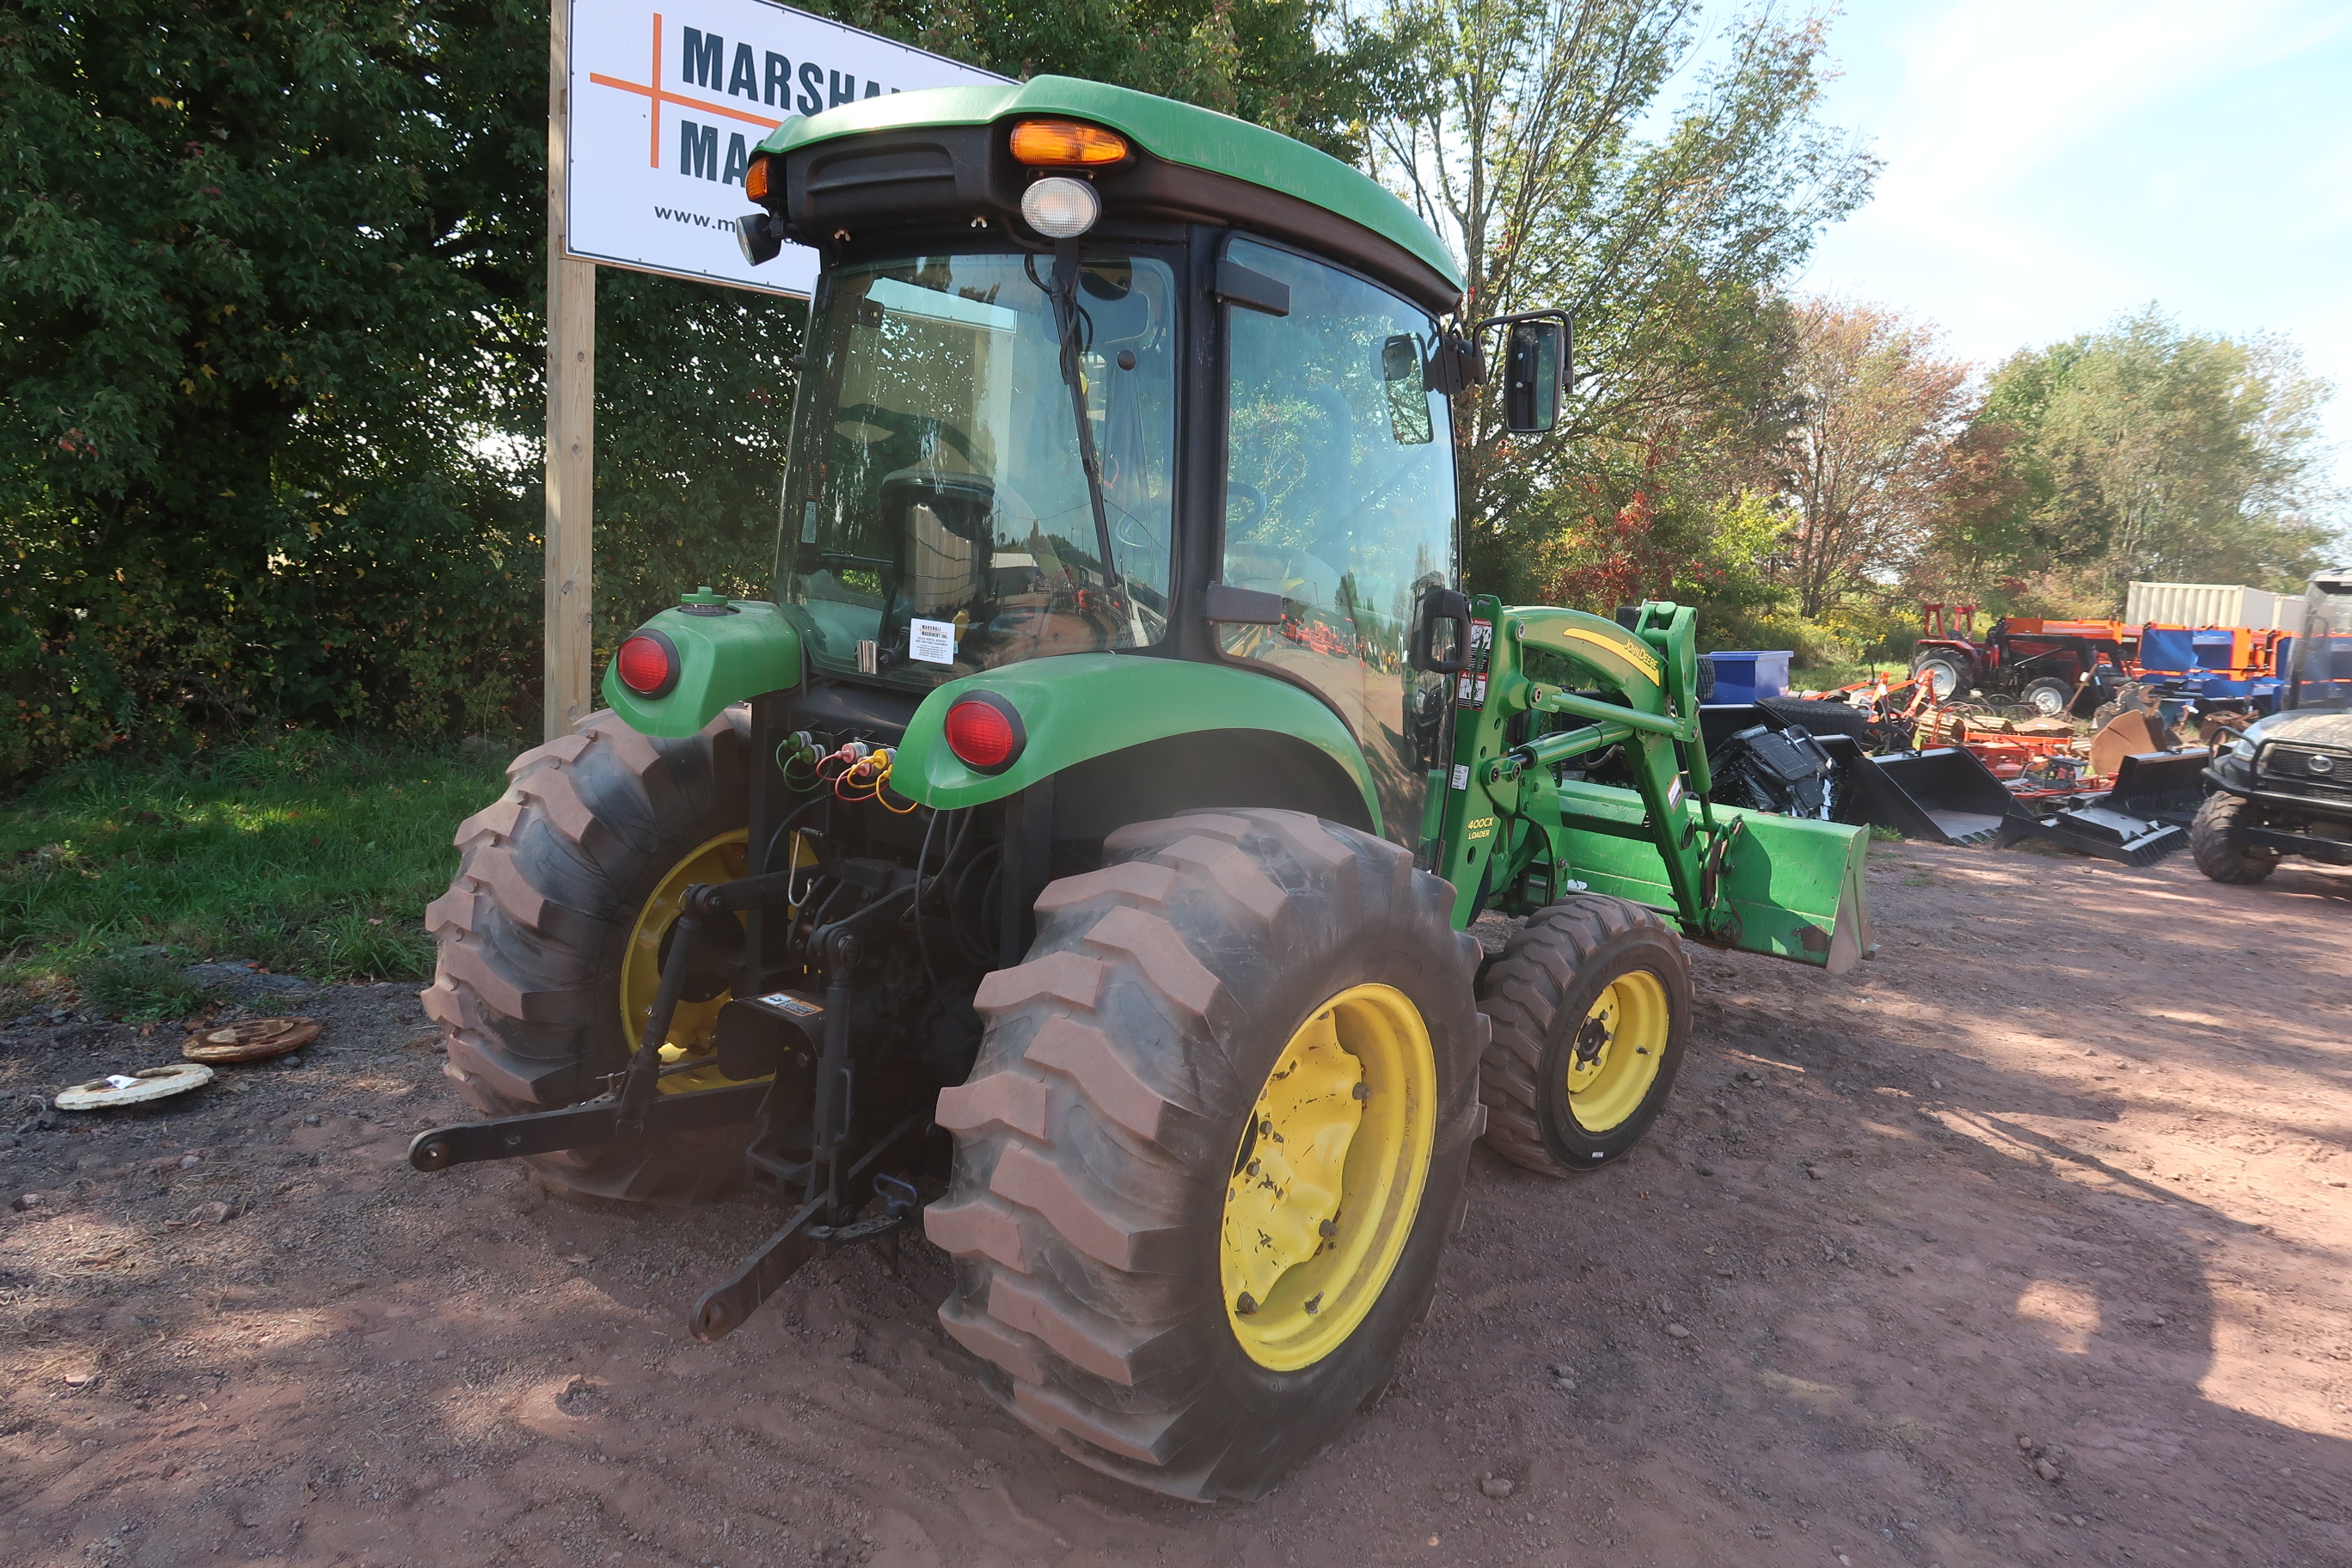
x,y
1871,757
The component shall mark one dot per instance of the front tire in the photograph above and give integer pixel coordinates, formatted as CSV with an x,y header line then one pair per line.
x,y
549,938
2048,697
2217,842
1591,1004
1212,1147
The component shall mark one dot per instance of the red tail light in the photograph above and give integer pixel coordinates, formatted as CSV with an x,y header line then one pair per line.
x,y
985,732
647,664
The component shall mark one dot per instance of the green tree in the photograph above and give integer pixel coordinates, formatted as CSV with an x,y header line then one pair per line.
x,y
1537,137
255,266
1869,456
271,315
2147,451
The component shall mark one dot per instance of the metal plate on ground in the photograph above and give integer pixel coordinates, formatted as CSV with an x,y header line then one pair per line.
x,y
134,1088
250,1040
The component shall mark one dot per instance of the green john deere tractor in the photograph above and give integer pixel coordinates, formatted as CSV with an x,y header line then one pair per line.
x,y
1076,856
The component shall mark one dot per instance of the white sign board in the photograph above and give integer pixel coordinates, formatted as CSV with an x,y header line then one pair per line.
x,y
670,97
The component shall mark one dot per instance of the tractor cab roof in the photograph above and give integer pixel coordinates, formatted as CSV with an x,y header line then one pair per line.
x,y
1188,163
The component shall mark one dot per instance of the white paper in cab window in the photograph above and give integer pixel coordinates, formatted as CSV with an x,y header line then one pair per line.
x,y
933,305
932,642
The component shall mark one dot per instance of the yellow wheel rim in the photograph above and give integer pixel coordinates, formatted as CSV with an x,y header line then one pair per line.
x,y
1618,1049
1327,1178
722,859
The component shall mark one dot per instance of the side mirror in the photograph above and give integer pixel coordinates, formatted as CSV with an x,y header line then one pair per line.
x,y
1535,364
1441,643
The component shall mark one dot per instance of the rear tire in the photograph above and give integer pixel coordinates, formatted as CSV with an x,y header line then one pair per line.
x,y
2217,842
1946,675
1100,1147
1582,983
536,930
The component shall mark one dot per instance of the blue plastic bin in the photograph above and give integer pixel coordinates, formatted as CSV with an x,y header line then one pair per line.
x,y
1745,677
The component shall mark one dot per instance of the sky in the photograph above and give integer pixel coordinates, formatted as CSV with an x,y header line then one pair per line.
x,y
2052,163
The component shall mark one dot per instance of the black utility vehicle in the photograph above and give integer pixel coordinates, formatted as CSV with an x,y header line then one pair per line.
x,y
2283,786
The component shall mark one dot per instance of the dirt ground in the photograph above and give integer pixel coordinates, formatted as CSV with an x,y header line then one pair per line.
x,y
2027,1242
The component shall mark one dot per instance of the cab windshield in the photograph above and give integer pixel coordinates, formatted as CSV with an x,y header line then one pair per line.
x,y
936,518
2324,669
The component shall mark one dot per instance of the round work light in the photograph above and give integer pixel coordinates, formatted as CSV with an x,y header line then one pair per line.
x,y
1060,207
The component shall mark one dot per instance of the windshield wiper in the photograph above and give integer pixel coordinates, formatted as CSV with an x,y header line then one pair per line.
x,y
1065,294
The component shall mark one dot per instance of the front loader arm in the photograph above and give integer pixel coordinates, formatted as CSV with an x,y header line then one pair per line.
x,y
1552,692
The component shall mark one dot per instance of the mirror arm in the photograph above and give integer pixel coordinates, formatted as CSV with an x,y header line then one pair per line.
x,y
1478,329
1477,333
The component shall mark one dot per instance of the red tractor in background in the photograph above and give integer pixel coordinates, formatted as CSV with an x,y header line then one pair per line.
x,y
2052,667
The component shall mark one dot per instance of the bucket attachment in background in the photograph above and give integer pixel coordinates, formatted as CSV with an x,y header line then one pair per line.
x,y
2104,831
2142,819
1944,796
2133,733
2166,785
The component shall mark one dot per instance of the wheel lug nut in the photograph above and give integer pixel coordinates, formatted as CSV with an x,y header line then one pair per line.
x,y
1361,1091
1327,1229
1244,1303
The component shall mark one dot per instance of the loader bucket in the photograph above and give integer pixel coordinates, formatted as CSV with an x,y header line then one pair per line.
x,y
2166,785
1795,884
1945,795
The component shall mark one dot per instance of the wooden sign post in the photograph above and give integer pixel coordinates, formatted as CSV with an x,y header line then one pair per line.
x,y
571,419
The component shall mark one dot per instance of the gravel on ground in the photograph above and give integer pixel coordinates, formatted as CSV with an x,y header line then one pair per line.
x,y
2024,1243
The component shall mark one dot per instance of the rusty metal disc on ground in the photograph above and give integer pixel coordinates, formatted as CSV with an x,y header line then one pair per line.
x,y
134,1088
250,1040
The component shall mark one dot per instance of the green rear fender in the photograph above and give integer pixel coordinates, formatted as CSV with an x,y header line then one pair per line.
x,y
1080,706
722,661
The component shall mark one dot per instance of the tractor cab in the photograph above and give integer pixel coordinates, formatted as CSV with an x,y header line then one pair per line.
x,y
2321,661
958,503
1055,402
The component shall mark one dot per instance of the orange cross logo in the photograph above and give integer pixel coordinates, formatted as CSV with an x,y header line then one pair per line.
x,y
659,95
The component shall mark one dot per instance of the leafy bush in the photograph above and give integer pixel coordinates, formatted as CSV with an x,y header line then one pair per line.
x,y
271,387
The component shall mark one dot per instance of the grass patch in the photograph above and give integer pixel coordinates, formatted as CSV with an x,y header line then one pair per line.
x,y
138,985
308,854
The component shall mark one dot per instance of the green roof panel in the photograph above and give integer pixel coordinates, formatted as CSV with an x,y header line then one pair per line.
x,y
1179,132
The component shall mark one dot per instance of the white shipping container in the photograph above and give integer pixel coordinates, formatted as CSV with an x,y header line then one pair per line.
x,y
2212,604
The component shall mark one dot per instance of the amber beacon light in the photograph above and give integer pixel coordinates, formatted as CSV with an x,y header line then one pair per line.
x,y
1065,144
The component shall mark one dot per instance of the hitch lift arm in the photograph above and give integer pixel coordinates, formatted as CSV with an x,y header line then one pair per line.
x,y
838,1182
